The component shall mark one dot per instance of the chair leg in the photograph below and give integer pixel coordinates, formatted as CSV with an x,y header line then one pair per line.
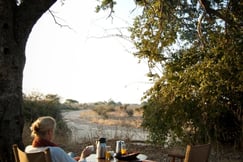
x,y
173,159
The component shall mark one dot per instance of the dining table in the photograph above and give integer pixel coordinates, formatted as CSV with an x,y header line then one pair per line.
x,y
139,158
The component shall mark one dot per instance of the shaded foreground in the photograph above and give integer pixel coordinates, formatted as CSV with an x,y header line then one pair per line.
x,y
158,153
154,152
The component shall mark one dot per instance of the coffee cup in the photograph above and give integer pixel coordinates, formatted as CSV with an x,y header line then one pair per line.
x,y
91,148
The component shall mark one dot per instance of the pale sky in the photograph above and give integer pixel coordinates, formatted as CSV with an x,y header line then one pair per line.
x,y
73,64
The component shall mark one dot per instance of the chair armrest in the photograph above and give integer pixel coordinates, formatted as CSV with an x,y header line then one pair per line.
x,y
174,156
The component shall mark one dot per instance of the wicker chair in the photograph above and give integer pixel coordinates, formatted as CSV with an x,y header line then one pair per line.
x,y
196,153
20,156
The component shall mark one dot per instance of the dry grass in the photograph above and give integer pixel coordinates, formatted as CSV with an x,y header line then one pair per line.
x,y
113,118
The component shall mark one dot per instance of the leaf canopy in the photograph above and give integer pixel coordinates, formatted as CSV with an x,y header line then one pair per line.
x,y
198,45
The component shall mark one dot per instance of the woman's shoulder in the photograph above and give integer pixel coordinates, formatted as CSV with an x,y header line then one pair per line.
x,y
31,149
59,155
56,149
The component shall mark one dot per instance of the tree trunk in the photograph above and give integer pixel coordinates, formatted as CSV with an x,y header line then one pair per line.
x,y
16,22
12,62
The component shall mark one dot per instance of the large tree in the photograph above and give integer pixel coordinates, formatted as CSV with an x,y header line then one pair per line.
x,y
17,18
194,52
198,44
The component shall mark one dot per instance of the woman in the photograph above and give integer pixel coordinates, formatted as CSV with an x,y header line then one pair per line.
x,y
43,132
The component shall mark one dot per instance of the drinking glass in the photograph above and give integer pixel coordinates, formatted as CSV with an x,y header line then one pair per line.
x,y
123,149
108,153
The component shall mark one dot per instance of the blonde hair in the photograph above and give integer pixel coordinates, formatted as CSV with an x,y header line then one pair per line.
x,y
42,125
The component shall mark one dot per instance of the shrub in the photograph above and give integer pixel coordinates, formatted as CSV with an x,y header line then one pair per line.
x,y
36,106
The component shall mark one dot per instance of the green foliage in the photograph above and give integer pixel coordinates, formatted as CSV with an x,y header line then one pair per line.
x,y
198,96
106,4
37,105
71,104
111,102
71,101
197,47
103,109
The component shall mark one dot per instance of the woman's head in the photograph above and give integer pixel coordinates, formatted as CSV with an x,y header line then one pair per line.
x,y
42,126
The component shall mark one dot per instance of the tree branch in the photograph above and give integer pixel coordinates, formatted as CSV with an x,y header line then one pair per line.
x,y
205,4
55,20
199,29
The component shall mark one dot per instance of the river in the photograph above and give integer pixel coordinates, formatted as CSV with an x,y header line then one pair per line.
x,y
83,129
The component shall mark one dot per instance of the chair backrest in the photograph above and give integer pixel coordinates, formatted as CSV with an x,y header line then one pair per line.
x,y
197,153
20,156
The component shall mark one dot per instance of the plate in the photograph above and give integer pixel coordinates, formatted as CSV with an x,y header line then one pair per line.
x,y
127,157
142,157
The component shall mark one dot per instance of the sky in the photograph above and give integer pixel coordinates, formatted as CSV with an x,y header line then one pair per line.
x,y
80,60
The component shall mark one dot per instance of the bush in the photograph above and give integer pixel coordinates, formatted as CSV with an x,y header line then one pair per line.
x,y
103,109
36,106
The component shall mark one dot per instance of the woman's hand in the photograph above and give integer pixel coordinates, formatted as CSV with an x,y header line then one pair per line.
x,y
86,152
